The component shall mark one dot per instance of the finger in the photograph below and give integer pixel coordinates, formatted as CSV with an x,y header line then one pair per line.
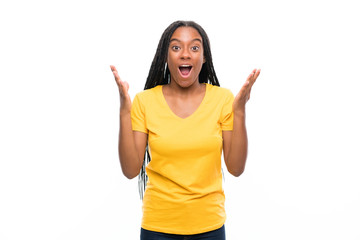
x,y
251,75
254,75
249,79
113,69
244,89
124,88
257,73
127,86
116,74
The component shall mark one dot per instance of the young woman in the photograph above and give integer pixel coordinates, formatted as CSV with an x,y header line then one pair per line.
x,y
187,121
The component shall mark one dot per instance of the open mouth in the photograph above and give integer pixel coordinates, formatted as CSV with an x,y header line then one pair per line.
x,y
185,70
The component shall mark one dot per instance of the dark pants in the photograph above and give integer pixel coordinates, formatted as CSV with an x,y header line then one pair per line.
x,y
218,234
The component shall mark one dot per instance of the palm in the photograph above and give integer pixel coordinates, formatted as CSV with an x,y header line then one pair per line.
x,y
125,100
244,94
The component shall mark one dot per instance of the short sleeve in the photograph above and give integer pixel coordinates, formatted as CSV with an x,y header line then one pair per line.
x,y
138,116
226,118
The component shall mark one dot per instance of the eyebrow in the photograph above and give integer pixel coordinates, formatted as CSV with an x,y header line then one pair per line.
x,y
177,40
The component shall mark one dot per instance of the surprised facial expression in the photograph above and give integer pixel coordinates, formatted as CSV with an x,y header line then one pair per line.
x,y
185,56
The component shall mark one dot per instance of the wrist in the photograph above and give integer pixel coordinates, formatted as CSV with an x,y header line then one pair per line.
x,y
240,113
239,120
124,112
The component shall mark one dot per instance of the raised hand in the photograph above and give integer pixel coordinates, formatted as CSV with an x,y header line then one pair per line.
x,y
125,100
244,94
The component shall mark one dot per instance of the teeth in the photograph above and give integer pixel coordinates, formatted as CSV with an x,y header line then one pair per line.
x,y
185,66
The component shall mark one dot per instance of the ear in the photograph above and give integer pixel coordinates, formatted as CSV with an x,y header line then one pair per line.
x,y
204,60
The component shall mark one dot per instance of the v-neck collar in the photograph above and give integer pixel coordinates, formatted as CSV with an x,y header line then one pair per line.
x,y
192,114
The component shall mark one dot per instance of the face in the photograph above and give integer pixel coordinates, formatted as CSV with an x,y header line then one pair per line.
x,y
185,56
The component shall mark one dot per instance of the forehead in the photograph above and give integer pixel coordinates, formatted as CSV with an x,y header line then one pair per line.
x,y
186,34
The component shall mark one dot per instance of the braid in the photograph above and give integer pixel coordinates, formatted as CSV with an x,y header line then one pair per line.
x,y
159,74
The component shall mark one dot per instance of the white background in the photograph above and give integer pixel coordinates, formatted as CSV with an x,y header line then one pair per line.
x,y
59,173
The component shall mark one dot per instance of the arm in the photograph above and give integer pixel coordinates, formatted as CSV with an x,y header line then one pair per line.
x,y
235,143
236,146
132,144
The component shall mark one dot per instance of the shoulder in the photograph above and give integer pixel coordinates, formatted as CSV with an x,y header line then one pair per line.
x,y
148,94
217,91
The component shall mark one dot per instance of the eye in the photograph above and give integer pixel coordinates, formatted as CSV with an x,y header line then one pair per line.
x,y
175,48
195,48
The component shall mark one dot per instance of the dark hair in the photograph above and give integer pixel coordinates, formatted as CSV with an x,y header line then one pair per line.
x,y
159,74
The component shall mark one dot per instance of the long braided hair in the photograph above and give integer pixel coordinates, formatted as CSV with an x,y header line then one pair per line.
x,y
159,74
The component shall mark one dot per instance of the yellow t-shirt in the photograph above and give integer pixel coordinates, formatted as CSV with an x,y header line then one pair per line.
x,y
184,193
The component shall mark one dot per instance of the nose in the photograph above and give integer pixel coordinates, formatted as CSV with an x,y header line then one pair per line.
x,y
185,54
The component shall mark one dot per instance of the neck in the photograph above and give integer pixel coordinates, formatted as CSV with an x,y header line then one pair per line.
x,y
176,89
